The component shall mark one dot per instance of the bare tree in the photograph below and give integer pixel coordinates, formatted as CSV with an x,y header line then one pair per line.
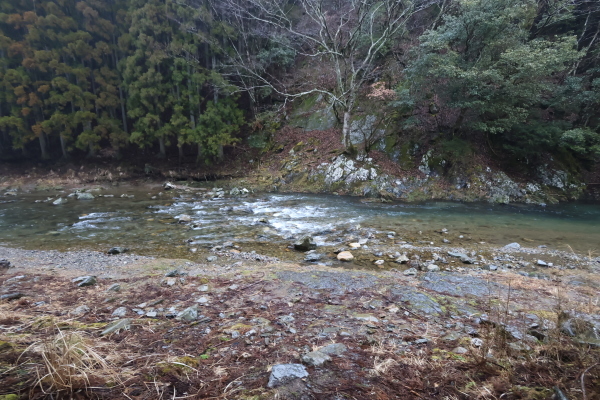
x,y
348,35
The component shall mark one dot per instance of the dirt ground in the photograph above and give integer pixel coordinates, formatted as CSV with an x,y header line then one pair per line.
x,y
468,335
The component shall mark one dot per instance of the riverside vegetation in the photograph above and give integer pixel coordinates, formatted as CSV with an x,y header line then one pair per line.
x,y
471,100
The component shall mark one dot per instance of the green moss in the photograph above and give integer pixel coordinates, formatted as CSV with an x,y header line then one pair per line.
x,y
9,397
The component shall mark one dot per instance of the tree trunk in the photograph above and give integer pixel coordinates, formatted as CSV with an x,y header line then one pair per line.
x,y
63,147
346,130
162,152
42,138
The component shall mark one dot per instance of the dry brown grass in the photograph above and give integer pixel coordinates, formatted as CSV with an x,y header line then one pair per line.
x,y
71,362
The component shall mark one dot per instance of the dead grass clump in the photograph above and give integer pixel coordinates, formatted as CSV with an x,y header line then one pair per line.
x,y
71,362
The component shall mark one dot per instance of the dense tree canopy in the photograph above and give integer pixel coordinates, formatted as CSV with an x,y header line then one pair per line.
x,y
90,77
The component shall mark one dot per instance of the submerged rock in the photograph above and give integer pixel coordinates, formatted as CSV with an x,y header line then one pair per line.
x,y
285,373
59,201
85,196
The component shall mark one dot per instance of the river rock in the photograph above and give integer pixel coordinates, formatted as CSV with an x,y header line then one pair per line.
x,y
59,201
403,259
410,272
512,246
492,267
315,358
84,281
284,373
305,244
116,326
345,256
211,258
354,245
85,196
189,314
117,250
379,262
542,263
433,268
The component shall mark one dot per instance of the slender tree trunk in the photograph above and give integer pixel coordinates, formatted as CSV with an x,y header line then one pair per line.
x,y
91,147
43,146
162,152
346,130
63,147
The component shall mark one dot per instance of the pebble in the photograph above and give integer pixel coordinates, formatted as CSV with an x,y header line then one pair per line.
x,y
345,256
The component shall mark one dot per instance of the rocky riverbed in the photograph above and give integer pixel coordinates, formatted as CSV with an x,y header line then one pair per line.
x,y
444,323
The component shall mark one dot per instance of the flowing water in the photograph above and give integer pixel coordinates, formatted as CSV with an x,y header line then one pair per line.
x,y
270,222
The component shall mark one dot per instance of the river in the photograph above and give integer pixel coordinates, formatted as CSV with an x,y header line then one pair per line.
x,y
268,222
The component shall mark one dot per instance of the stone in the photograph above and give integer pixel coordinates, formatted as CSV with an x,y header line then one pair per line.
x,y
334,349
59,201
5,264
11,296
367,318
81,310
345,256
119,312
211,258
305,244
492,267
116,326
354,245
173,273
512,246
379,262
433,268
410,272
542,263
203,288
477,342
285,373
151,314
403,259
313,257
189,314
315,358
420,303
115,287
460,350
84,281
85,196
202,300
117,250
